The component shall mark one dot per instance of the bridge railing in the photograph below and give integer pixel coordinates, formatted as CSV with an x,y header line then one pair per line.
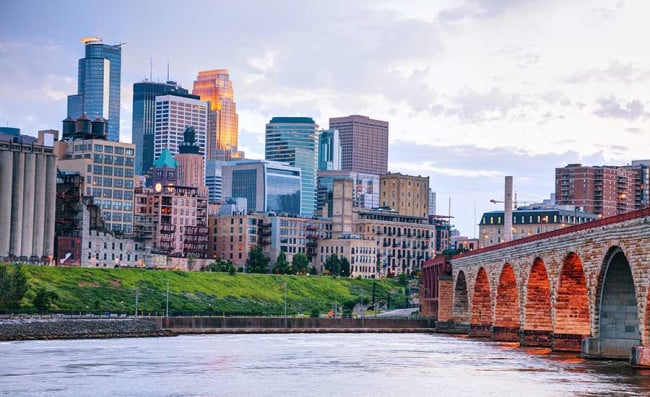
x,y
559,232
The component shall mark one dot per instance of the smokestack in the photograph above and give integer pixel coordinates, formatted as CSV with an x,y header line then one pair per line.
x,y
507,211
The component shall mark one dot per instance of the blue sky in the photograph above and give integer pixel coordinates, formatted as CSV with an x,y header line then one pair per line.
x,y
473,90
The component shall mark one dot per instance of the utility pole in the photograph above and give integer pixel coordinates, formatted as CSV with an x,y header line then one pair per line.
x,y
167,303
137,291
285,305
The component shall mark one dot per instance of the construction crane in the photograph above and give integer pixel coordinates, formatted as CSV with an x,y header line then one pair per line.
x,y
515,202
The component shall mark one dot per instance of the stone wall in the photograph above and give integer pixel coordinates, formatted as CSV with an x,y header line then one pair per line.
x,y
59,328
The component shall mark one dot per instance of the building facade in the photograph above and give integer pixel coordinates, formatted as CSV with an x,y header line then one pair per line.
x,y
223,132
27,201
171,217
529,222
365,190
173,115
107,169
144,118
361,253
408,195
294,140
364,144
98,85
266,185
603,190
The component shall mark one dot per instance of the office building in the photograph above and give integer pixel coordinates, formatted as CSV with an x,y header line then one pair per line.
x,y
294,140
215,87
266,185
98,85
173,115
329,150
364,144
27,200
107,169
603,190
408,195
365,190
144,118
213,180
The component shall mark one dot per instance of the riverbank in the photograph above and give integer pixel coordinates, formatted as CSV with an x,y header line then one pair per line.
x,y
80,328
66,328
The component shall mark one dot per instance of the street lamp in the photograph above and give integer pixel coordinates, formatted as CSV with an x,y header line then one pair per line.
x,y
285,305
167,301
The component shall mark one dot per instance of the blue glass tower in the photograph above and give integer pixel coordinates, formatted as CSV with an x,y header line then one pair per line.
x,y
144,118
98,85
294,140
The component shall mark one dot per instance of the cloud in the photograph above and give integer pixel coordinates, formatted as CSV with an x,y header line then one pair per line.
x,y
616,71
611,108
474,107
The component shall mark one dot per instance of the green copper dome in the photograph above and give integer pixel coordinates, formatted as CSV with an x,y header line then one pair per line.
x,y
165,159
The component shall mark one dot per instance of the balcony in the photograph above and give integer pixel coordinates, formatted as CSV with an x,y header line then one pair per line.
x,y
167,228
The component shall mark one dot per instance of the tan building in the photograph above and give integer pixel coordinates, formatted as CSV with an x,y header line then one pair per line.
x,y
403,242
360,253
528,222
408,195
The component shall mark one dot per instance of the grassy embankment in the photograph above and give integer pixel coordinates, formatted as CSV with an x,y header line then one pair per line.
x,y
83,290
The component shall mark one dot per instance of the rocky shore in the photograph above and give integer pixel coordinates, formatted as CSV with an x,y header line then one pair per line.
x,y
66,328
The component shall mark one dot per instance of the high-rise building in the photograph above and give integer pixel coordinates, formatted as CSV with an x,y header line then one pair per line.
x,y
98,85
294,140
432,202
364,144
215,86
173,115
408,195
266,185
329,150
144,118
603,190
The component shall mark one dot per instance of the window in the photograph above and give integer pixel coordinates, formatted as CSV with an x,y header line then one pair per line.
x,y
98,148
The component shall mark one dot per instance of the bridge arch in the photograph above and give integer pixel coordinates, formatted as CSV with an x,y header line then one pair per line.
x,y
617,307
481,317
538,322
571,306
506,313
461,299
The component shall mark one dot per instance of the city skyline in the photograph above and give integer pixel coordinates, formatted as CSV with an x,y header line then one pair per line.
x,y
472,91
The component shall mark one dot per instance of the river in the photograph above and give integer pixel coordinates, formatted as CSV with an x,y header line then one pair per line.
x,y
305,365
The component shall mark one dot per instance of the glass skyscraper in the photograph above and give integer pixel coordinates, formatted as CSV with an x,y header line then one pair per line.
x,y
98,85
294,140
266,185
329,150
215,86
144,118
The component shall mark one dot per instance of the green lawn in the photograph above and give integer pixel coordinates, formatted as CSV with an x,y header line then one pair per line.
x,y
114,290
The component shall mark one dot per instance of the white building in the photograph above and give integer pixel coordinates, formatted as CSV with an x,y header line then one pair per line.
x,y
173,115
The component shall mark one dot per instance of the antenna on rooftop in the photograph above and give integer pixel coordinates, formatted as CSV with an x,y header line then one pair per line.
x,y
167,70
150,69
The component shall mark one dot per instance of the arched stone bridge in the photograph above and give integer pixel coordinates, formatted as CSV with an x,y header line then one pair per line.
x,y
581,288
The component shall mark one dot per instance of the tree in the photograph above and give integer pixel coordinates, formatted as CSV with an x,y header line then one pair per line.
x,y
257,262
333,265
345,267
43,299
281,264
13,286
300,263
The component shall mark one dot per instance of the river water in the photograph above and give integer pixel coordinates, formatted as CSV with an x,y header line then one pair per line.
x,y
305,365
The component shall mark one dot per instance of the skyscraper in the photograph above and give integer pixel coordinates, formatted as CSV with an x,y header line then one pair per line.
x,y
364,144
294,140
215,86
329,150
173,115
144,118
190,162
98,85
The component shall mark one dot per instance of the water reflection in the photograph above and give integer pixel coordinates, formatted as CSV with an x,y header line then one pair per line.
x,y
307,364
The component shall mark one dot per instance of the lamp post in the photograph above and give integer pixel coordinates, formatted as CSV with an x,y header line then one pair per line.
x,y
167,301
285,305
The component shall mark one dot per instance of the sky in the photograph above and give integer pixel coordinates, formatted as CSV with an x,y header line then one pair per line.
x,y
473,90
